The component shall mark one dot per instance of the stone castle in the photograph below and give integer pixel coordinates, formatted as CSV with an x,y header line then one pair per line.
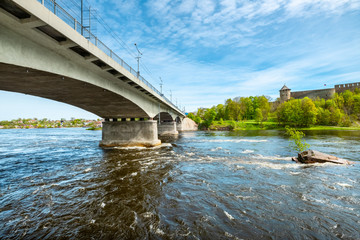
x,y
286,94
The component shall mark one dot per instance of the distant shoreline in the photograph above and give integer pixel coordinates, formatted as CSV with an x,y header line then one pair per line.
x,y
33,123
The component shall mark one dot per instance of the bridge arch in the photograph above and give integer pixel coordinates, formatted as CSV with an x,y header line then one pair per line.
x,y
178,120
87,96
164,117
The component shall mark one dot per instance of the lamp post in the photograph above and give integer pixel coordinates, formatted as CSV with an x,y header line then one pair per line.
x,y
161,84
138,60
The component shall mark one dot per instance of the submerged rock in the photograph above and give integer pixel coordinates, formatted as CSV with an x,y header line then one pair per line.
x,y
312,156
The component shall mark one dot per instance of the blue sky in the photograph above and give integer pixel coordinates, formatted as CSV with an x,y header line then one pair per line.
x,y
207,51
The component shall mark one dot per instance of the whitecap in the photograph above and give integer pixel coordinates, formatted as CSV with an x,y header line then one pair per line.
x,y
344,184
36,191
147,214
216,149
134,174
247,151
276,157
228,215
238,140
87,170
159,231
141,148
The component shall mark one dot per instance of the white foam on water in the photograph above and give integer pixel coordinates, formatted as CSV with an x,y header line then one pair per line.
x,y
36,191
142,148
230,236
216,149
239,167
236,140
344,184
159,231
134,174
87,170
276,166
130,148
276,157
147,214
244,197
247,151
102,205
151,162
228,215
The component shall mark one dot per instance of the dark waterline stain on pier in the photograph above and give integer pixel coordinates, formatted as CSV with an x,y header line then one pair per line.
x,y
57,183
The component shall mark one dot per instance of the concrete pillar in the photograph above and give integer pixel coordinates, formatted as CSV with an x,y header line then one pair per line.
x,y
167,128
179,126
130,133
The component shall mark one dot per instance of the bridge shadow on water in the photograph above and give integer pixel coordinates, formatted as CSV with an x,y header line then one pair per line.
x,y
128,187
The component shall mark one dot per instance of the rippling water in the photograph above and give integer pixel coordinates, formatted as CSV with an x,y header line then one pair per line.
x,y
57,183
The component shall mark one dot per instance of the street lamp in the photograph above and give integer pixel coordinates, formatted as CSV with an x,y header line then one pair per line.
x,y
138,60
161,84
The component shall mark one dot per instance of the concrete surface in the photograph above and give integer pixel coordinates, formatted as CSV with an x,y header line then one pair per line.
x,y
130,133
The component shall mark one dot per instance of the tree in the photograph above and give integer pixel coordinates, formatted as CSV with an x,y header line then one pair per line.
x,y
309,112
258,115
209,117
298,143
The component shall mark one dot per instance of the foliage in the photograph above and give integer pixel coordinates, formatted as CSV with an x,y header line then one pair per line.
x,y
298,143
342,110
258,115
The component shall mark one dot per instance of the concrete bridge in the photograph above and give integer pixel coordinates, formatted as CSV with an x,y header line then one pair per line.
x,y
43,52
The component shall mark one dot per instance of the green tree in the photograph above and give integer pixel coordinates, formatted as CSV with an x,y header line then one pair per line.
x,y
297,142
258,116
209,117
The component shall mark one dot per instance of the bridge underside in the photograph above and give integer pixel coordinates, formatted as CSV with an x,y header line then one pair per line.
x,y
99,101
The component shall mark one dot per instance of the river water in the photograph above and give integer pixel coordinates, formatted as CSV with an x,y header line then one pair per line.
x,y
57,183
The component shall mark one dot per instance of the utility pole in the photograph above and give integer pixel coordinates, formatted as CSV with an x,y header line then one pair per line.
x,y
138,60
161,84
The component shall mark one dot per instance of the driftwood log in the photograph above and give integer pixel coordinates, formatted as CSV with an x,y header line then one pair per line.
x,y
312,156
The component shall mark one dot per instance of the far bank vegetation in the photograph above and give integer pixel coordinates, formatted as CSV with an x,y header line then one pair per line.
x,y
258,112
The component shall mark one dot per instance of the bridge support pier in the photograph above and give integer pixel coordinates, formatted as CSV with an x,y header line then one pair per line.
x,y
130,133
167,128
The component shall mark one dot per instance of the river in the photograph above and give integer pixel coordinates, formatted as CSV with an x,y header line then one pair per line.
x,y
58,184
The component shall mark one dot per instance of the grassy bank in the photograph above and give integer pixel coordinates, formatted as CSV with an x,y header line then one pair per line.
x,y
267,125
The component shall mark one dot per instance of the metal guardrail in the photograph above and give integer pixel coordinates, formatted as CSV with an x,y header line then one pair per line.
x,y
72,22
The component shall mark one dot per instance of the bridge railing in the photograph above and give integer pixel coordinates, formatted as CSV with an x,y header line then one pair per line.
x,y
85,32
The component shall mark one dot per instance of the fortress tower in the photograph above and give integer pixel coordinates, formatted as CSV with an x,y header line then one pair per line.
x,y
285,94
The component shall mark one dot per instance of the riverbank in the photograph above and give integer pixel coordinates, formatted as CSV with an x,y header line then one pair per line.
x,y
268,125
30,123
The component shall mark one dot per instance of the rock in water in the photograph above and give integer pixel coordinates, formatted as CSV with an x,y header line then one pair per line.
x,y
312,156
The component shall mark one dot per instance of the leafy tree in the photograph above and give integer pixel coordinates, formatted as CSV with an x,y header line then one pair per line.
x,y
258,115
298,143
209,117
